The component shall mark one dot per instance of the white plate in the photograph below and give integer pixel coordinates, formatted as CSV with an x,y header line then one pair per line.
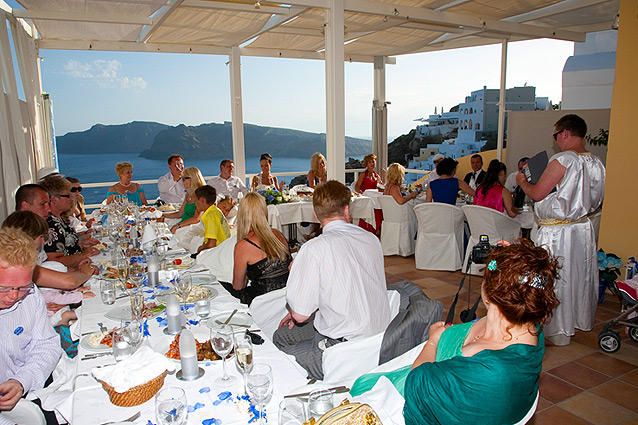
x,y
186,262
163,296
203,279
201,334
240,319
84,343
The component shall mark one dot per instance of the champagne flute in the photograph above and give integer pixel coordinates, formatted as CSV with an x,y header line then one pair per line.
x,y
244,356
170,406
122,271
221,339
137,304
260,387
183,285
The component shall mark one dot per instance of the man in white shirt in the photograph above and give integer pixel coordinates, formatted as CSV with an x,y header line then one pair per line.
x,y
433,175
171,185
226,183
30,348
510,183
337,288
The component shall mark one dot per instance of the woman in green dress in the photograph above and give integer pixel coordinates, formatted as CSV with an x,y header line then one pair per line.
x,y
484,371
188,211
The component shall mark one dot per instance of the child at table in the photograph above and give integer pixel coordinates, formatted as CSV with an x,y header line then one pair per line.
x,y
227,206
216,229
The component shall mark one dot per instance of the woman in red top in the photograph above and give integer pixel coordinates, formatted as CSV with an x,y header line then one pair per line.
x,y
492,192
369,179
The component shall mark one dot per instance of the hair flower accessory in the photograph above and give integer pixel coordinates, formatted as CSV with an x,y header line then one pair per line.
x,y
535,281
492,265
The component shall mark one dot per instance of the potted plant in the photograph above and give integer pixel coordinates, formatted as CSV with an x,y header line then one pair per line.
x,y
608,271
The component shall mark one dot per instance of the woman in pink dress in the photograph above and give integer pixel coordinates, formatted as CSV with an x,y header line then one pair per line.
x,y
492,192
369,179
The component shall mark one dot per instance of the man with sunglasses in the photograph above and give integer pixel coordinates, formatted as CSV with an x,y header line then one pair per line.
x,y
565,229
30,348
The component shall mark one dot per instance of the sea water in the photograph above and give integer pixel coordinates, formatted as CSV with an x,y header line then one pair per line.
x,y
94,168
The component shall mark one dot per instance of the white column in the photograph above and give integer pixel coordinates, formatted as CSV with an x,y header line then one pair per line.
x,y
380,115
239,154
501,102
335,92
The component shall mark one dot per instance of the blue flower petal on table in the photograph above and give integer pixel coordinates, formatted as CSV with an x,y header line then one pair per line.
x,y
150,423
193,322
224,395
204,390
212,421
162,321
145,330
196,406
208,364
162,287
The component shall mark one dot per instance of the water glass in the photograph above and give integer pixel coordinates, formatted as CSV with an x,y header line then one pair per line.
x,y
320,402
244,356
292,412
107,292
221,339
202,308
170,406
132,333
137,304
260,387
121,347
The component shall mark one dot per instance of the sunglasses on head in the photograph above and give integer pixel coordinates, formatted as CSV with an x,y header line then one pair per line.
x,y
76,189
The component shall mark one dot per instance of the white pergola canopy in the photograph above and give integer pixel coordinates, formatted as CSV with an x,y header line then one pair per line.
x,y
331,30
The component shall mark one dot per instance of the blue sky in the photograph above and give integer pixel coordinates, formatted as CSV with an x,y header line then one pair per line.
x,y
115,88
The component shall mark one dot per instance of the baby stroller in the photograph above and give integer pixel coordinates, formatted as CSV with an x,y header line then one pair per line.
x,y
608,338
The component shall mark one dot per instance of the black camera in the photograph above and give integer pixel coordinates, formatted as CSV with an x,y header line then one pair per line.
x,y
482,250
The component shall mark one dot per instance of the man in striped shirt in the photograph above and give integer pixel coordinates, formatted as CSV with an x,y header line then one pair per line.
x,y
30,348
336,290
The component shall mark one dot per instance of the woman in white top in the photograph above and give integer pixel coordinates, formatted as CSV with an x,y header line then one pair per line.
x,y
265,179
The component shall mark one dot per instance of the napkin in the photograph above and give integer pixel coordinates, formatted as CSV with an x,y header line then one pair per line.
x,y
143,366
168,275
149,234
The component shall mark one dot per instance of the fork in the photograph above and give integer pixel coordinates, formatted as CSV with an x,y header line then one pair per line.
x,y
131,419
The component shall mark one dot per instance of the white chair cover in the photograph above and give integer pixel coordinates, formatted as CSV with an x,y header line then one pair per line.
x,y
220,260
345,362
487,221
399,227
267,311
439,244
24,413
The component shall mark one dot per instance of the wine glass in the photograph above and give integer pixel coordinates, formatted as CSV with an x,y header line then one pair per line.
x,y
244,356
170,406
183,285
137,304
137,273
221,339
122,271
260,387
132,332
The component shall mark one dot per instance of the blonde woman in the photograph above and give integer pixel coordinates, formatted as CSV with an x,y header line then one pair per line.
x,y
393,186
318,173
188,213
369,179
261,253
126,187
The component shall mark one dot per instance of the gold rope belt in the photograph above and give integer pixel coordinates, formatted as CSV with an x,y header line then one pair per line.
x,y
559,222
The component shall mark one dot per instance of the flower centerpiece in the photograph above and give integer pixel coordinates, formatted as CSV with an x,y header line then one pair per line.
x,y
608,271
273,196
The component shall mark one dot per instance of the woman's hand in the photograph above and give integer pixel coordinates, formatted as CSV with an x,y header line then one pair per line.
x,y
174,229
88,294
436,330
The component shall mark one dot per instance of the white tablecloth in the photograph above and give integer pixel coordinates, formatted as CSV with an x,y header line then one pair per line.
x,y
296,212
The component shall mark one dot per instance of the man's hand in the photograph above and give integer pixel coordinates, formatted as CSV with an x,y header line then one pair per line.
x,y
287,321
89,242
90,252
10,393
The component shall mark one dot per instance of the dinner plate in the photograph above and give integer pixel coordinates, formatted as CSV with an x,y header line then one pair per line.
x,y
203,279
240,319
185,262
164,295
201,334
86,344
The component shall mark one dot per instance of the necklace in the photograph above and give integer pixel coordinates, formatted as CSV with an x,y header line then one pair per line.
x,y
514,338
125,185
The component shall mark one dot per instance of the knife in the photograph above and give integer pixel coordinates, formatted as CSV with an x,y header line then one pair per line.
x,y
230,317
335,390
95,356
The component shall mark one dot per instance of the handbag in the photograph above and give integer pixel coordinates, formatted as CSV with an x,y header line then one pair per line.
x,y
350,414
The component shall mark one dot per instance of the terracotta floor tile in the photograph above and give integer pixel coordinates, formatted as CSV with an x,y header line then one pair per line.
x,y
628,352
556,390
572,351
589,339
606,364
392,278
555,415
543,404
396,269
620,393
553,359
579,375
633,421
597,410
428,282
392,260
410,275
630,378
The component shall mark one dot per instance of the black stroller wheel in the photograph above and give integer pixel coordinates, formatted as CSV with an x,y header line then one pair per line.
x,y
633,333
609,341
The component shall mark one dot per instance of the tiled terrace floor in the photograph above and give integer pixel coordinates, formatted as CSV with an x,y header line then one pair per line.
x,y
580,384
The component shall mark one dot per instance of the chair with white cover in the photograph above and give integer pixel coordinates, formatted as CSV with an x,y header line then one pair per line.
x,y
268,309
399,227
24,413
439,243
487,221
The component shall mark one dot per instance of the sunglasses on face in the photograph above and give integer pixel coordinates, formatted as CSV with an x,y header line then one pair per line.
x,y
557,133
76,189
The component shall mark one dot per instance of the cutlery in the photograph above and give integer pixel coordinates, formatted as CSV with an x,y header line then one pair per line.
x,y
102,327
96,355
335,390
131,419
230,317
232,324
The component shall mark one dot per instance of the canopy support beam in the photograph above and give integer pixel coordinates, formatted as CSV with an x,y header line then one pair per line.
x,y
239,153
335,92
501,102
380,115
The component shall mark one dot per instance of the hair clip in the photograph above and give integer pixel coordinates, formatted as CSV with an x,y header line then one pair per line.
x,y
492,265
534,281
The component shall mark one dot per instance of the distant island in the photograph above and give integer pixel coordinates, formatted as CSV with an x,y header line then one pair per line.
x,y
153,140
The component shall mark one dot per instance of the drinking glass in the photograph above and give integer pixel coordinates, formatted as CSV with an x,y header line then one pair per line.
x,y
122,271
320,402
260,387
244,356
162,250
121,347
170,406
292,412
202,308
132,333
137,273
221,339
183,285
107,291
137,304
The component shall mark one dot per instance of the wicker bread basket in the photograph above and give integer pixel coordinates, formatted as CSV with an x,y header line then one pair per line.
x,y
136,395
